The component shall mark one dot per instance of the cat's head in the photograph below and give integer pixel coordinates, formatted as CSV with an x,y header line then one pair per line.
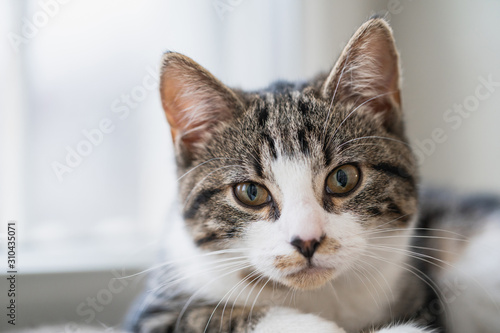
x,y
302,178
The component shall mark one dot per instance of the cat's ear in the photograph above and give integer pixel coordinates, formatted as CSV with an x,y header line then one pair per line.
x,y
368,72
194,100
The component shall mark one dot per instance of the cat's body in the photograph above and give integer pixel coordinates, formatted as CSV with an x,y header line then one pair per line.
x,y
298,208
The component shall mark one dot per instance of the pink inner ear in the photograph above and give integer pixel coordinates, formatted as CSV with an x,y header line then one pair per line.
x,y
194,101
381,49
369,67
181,110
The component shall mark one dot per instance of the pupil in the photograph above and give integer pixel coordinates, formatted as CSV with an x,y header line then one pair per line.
x,y
341,178
252,192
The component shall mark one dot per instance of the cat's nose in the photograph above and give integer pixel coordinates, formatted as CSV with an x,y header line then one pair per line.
x,y
306,248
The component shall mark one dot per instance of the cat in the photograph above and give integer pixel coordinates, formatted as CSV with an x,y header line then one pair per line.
x,y
299,210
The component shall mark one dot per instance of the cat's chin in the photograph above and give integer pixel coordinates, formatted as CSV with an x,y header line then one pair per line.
x,y
309,278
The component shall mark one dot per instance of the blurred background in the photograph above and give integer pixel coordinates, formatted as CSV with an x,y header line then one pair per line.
x,y
86,160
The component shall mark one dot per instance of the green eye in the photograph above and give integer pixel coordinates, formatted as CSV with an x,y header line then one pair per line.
x,y
342,180
251,194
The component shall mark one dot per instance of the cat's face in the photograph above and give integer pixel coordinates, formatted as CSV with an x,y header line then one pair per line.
x,y
301,178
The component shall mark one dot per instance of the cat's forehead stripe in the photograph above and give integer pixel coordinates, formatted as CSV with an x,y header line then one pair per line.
x,y
289,135
262,114
271,145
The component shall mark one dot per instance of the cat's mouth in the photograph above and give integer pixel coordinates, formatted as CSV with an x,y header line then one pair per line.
x,y
310,277
299,273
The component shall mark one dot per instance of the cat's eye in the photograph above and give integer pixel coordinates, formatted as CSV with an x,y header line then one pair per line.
x,y
251,194
342,180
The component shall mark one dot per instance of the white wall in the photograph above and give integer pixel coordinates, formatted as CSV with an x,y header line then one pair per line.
x,y
446,47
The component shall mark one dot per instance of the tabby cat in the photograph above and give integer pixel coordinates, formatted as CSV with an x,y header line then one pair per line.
x,y
298,210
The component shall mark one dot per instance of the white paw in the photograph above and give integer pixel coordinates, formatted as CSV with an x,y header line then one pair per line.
x,y
406,328
285,320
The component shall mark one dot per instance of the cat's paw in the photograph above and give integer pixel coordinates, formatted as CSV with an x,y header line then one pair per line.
x,y
406,328
286,320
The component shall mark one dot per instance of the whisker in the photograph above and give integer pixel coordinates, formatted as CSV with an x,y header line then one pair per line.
x,y
412,254
355,271
293,298
181,314
362,145
423,257
257,278
286,296
211,267
409,268
207,161
378,230
356,109
250,275
151,294
255,301
225,251
335,92
389,287
334,291
379,227
372,137
230,291
251,290
420,236
432,249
